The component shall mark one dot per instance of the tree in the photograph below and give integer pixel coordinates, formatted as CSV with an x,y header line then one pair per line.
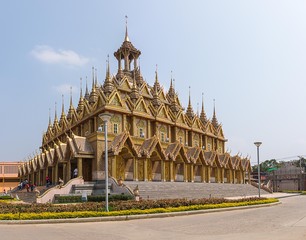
x,y
267,166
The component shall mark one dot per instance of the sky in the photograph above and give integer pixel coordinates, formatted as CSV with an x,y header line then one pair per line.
x,y
250,56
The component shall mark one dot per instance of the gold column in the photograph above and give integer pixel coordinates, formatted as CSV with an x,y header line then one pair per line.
x,y
114,167
56,173
203,173
38,180
162,170
171,166
65,172
249,177
208,173
145,169
32,178
68,170
148,129
222,175
135,174
234,176
45,173
52,175
80,167
185,168
191,172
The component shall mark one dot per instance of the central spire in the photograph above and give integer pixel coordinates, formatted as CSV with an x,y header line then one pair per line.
x,y
126,39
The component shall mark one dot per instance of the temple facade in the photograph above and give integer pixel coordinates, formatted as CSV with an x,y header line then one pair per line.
x,y
151,137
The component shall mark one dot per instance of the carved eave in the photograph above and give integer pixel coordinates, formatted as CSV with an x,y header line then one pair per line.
x,y
224,159
145,91
162,96
80,147
197,125
121,142
209,131
152,148
210,157
176,151
235,162
162,115
193,154
181,121
125,85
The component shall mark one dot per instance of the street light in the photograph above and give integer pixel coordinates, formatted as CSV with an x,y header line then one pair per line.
x,y
257,144
106,116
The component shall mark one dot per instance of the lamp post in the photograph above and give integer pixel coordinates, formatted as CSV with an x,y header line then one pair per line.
x,y
257,144
106,116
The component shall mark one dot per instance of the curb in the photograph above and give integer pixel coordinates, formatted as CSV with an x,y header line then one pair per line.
x,y
132,217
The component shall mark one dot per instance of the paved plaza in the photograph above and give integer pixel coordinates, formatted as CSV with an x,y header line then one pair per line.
x,y
283,221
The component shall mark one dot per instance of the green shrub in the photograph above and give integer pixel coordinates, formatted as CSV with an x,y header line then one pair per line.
x,y
6,197
84,214
68,199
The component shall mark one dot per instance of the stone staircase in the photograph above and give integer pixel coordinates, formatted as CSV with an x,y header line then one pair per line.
x,y
28,197
188,190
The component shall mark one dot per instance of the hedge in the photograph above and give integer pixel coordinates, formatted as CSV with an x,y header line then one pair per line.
x,y
100,213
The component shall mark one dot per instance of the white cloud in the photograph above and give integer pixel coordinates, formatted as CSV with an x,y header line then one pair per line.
x,y
47,54
65,89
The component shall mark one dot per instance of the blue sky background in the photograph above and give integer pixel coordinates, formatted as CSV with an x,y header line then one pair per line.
x,y
248,55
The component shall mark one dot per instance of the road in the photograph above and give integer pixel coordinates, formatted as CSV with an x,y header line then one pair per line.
x,y
283,221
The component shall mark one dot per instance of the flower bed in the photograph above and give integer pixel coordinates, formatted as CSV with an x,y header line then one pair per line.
x,y
83,210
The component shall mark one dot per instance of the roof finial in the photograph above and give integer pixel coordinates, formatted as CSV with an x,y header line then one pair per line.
x,y
49,116
81,94
96,78
214,120
198,109
93,78
107,67
126,30
70,96
156,83
189,111
156,76
86,90
203,115
55,114
63,109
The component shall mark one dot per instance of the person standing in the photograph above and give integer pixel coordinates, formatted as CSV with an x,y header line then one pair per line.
x,y
75,172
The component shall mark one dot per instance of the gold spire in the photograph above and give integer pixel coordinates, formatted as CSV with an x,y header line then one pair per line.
x,y
86,90
50,125
134,94
171,91
96,78
81,100
71,108
108,83
93,78
71,105
214,120
55,114
63,108
126,39
156,83
203,117
189,111
81,94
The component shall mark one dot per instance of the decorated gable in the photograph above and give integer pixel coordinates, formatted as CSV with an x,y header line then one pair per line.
x,y
116,100
125,85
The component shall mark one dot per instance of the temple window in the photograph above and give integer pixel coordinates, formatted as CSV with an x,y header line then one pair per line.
x,y
181,140
141,133
162,136
115,128
209,147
